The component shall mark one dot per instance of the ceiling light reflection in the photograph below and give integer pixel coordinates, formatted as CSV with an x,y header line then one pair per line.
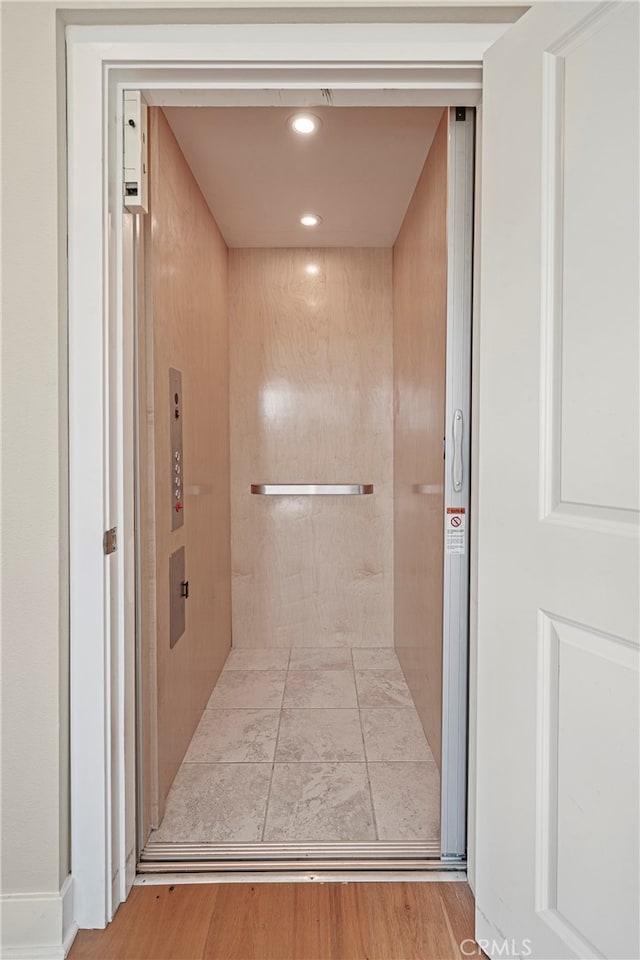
x,y
277,401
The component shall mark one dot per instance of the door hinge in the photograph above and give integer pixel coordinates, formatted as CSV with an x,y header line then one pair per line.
x,y
110,541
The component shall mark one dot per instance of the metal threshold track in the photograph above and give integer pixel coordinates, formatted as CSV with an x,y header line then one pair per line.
x,y
278,857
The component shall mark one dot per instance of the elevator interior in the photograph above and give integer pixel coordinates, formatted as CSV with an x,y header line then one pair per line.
x,y
292,382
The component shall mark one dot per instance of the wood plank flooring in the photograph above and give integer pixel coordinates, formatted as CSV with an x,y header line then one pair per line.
x,y
287,921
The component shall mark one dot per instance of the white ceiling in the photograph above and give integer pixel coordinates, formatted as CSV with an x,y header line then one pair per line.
x,y
358,171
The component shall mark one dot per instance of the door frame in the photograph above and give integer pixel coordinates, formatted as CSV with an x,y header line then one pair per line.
x,y
457,485
402,63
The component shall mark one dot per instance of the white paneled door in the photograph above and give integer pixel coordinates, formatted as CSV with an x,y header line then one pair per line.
x,y
557,795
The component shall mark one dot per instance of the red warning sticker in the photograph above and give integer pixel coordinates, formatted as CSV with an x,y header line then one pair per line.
x,y
455,534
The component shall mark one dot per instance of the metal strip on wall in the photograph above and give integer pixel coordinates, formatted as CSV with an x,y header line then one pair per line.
x,y
457,483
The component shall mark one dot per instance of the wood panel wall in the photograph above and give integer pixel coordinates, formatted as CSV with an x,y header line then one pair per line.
x,y
311,402
420,315
186,327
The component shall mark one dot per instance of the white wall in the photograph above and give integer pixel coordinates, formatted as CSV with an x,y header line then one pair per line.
x,y
35,787
34,513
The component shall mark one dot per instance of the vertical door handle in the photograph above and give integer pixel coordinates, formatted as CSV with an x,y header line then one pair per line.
x,y
457,451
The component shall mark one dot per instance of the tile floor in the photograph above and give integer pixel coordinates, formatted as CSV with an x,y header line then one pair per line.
x,y
306,745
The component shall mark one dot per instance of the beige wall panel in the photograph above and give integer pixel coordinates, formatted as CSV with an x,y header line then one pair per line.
x,y
420,315
188,311
311,402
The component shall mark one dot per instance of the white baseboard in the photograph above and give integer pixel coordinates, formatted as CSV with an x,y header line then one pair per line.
x,y
38,926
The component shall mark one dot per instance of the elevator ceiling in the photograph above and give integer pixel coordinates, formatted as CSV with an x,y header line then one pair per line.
x,y
358,171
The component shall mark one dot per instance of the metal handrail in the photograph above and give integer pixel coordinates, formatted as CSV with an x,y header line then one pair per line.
x,y
311,489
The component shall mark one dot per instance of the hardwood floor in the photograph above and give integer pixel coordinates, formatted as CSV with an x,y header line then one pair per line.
x,y
287,921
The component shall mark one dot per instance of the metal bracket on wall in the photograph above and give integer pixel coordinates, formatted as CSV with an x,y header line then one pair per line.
x,y
178,593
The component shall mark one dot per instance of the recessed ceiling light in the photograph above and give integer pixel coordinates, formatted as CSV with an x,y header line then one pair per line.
x,y
304,123
312,269
310,220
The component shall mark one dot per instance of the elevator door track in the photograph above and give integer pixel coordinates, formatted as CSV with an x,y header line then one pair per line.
x,y
278,857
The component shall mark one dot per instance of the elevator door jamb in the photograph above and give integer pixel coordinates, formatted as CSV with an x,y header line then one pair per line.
x,y
455,643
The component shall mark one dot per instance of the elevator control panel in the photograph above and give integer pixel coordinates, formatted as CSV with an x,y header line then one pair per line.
x,y
176,467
